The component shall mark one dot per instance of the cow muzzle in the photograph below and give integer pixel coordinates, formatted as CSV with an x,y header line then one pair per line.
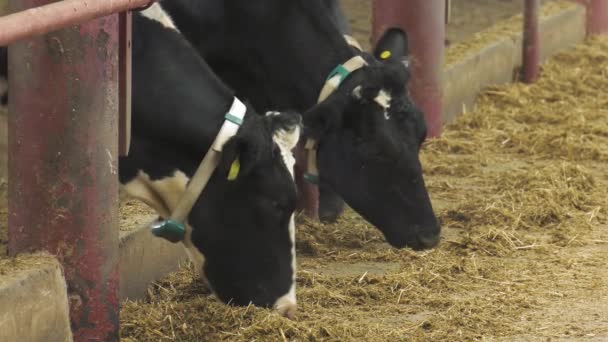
x,y
286,306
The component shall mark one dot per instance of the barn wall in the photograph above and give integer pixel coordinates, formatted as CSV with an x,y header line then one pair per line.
x,y
33,301
499,61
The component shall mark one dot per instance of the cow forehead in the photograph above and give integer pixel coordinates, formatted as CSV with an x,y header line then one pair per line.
x,y
383,98
286,138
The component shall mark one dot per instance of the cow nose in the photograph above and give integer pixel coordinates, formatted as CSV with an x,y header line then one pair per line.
x,y
429,240
288,310
286,306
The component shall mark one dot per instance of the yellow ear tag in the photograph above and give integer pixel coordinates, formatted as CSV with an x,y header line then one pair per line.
x,y
235,167
385,54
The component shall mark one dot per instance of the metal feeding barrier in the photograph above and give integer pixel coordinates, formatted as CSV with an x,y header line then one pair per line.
x,y
69,118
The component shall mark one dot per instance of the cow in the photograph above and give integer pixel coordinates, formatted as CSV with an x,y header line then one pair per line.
x,y
240,232
278,54
337,14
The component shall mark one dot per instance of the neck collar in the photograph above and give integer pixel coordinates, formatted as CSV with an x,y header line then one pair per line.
x,y
333,82
174,229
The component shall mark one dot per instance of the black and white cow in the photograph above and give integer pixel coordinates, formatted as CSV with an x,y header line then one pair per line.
x,y
337,14
278,54
243,227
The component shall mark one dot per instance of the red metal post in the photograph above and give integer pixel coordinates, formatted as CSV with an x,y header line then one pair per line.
x,y
531,43
597,16
424,22
308,194
63,153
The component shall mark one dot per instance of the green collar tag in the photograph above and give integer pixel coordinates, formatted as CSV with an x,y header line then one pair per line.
x,y
234,119
312,179
169,230
339,70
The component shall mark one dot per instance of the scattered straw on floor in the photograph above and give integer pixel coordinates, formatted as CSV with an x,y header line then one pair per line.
x,y
519,185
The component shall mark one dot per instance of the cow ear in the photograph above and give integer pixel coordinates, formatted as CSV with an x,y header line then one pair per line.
x,y
237,159
392,46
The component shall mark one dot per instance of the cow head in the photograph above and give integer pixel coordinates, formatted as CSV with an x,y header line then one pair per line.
x,y
278,53
243,222
369,134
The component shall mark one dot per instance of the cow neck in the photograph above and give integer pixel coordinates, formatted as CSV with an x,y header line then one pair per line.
x,y
332,83
173,229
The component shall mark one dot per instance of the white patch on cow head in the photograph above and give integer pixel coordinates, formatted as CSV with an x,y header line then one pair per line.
x,y
357,92
287,140
287,304
383,99
157,13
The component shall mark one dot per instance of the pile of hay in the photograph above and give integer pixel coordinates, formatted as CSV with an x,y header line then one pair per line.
x,y
518,183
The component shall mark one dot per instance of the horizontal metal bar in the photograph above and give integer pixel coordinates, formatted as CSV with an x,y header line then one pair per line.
x,y
40,20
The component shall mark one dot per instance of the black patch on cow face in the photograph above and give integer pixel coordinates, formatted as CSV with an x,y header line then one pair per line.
x,y
248,248
369,154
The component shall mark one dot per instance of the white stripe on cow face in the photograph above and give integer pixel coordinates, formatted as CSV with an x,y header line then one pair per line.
x,y
287,140
287,304
162,195
383,99
157,13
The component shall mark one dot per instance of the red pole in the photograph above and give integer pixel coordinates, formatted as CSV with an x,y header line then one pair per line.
x,y
63,186
531,48
424,22
308,194
597,16
44,16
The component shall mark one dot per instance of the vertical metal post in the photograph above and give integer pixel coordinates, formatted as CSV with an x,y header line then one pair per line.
x,y
424,22
597,16
63,153
531,42
124,87
308,194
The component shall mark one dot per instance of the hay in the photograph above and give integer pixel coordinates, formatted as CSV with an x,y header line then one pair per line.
x,y
519,185
11,267
132,213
